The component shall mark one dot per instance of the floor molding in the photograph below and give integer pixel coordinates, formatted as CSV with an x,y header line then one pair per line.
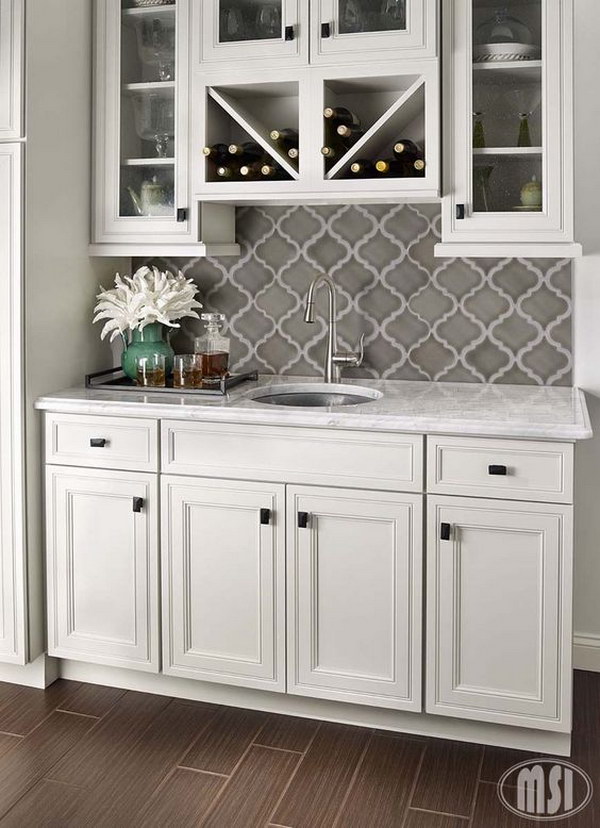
x,y
39,673
586,652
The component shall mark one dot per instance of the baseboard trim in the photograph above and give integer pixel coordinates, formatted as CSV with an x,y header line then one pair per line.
x,y
419,724
39,673
586,652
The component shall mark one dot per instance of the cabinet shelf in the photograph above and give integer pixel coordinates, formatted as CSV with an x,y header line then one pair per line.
x,y
148,162
508,72
149,11
517,152
154,86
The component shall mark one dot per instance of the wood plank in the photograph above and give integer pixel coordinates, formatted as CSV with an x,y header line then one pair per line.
x,y
35,755
8,742
287,733
92,700
108,744
126,786
496,760
46,805
381,790
318,789
448,778
427,819
252,793
221,746
184,799
30,707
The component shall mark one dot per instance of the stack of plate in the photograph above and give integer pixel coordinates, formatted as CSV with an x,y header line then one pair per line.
x,y
487,52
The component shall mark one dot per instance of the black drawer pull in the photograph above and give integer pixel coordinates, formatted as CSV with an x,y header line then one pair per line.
x,y
460,212
138,504
97,442
325,29
303,518
182,214
445,531
500,471
289,32
265,517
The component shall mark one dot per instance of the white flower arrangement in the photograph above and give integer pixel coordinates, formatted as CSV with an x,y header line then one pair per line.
x,y
149,296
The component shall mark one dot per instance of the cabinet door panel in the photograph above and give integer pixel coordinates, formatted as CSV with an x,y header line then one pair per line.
x,y
11,69
344,31
354,596
223,576
499,612
251,32
103,567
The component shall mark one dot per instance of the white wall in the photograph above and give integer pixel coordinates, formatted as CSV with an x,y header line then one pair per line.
x,y
587,329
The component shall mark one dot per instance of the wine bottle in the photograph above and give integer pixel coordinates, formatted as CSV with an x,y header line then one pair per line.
x,y
293,153
407,150
218,153
286,138
272,170
341,115
362,168
350,134
251,171
228,171
389,166
249,151
329,152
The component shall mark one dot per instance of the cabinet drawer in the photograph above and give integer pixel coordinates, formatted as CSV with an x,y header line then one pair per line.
x,y
102,442
358,459
507,469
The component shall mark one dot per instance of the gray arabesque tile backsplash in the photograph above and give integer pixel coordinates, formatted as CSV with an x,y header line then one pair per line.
x,y
466,320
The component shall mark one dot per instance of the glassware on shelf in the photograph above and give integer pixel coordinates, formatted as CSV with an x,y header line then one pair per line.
x,y
524,139
481,194
478,131
268,21
531,195
503,37
151,371
256,20
393,14
156,45
155,120
351,17
153,199
212,350
524,101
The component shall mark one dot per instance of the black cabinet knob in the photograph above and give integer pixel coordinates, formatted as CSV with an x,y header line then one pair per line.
x,y
289,32
500,471
460,212
445,531
303,518
325,29
97,442
182,214
138,504
265,517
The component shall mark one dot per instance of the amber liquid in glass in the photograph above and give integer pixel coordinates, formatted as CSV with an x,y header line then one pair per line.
x,y
187,378
214,366
151,377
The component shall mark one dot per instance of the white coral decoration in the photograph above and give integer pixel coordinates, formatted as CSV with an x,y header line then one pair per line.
x,y
150,295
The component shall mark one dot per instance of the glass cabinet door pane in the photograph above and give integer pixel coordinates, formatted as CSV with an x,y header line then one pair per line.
x,y
508,152
355,16
241,20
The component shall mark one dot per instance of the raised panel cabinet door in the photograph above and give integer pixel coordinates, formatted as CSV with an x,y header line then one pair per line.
x,y
499,612
354,596
256,33
13,638
223,568
102,567
12,80
346,31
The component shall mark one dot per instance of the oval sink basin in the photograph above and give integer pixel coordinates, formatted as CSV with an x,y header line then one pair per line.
x,y
315,395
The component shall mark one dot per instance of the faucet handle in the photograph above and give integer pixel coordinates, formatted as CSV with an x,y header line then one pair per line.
x,y
351,359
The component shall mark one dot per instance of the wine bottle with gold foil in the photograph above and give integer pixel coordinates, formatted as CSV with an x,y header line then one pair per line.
x,y
219,153
362,168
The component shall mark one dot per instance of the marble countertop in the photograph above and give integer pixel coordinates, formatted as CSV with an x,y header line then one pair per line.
x,y
435,408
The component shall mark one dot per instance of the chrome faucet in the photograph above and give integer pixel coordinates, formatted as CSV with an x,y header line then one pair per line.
x,y
334,360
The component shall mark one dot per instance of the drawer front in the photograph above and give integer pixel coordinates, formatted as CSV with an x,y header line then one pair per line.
x,y
102,442
294,455
507,469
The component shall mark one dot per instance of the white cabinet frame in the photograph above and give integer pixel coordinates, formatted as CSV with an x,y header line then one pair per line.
x,y
12,77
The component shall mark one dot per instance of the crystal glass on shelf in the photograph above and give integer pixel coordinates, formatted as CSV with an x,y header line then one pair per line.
x,y
268,21
478,131
352,18
156,46
523,103
253,20
155,120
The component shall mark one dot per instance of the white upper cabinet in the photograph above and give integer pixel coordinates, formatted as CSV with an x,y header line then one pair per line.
x,y
354,596
142,200
344,31
508,129
499,611
12,79
248,32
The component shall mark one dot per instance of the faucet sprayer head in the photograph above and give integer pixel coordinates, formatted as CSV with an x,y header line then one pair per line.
x,y
309,311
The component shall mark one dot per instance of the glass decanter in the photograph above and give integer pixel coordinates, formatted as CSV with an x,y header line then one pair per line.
x,y
213,349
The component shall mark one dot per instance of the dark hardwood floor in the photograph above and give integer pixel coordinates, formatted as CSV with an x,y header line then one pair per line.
x,y
79,755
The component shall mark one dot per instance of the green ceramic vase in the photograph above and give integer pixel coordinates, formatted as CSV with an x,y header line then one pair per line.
x,y
154,339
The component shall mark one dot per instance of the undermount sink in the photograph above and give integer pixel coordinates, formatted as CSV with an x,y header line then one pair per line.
x,y
315,395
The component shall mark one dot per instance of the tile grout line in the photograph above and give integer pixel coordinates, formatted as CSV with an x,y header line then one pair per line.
x,y
477,784
440,813
353,778
291,779
73,713
197,770
283,750
413,786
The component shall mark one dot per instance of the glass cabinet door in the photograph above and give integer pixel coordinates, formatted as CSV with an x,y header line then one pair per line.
x,y
506,120
343,29
145,177
255,30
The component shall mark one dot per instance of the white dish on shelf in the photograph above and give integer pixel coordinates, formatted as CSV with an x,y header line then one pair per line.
x,y
490,52
524,209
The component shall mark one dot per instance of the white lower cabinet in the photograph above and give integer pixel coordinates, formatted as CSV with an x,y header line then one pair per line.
x,y
223,565
102,567
499,612
354,596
